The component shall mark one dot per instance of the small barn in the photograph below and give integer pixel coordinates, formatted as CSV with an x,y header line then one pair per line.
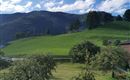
x,y
126,46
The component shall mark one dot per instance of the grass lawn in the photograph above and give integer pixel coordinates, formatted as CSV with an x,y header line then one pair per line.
x,y
65,71
61,44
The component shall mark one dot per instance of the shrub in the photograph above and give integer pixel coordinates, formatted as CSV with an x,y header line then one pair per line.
x,y
2,53
85,75
4,64
106,42
45,60
85,49
117,42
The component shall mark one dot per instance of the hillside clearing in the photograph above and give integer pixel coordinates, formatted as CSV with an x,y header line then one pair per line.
x,y
61,44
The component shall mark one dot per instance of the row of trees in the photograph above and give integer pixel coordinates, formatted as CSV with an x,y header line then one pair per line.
x,y
96,18
28,33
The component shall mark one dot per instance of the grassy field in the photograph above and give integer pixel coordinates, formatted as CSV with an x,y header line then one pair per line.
x,y
61,44
66,71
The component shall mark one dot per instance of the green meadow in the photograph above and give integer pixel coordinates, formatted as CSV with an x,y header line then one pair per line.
x,y
61,44
66,71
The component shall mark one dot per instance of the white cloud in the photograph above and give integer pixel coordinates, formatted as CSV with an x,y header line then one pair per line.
x,y
15,1
116,6
53,3
83,6
77,5
80,6
29,4
12,6
38,6
49,4
19,8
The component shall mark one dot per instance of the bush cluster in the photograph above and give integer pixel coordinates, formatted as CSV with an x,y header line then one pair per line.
x,y
85,49
34,68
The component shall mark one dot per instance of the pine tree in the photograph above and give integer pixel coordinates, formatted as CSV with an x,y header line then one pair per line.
x,y
127,15
93,19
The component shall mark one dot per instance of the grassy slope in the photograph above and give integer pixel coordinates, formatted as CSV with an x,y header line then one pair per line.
x,y
61,44
66,71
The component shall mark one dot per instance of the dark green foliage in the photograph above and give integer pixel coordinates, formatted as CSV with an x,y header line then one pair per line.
x,y
127,15
111,42
45,60
35,23
4,64
105,17
107,42
109,58
93,19
2,53
20,35
119,18
34,68
85,49
117,42
85,75
74,26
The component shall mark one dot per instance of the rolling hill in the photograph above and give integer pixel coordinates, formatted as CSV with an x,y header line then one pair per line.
x,y
34,23
61,44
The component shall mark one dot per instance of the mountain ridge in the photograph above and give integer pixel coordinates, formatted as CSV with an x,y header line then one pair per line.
x,y
34,23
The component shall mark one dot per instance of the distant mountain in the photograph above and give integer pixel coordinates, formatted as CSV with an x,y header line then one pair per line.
x,y
34,23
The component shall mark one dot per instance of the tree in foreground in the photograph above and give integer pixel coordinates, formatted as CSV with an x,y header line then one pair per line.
x,y
44,60
85,75
85,49
31,69
109,58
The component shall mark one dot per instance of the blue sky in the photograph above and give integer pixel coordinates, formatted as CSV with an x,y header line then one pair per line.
x,y
69,6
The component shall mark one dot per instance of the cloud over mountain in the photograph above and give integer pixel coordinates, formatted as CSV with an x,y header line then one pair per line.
x,y
75,6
